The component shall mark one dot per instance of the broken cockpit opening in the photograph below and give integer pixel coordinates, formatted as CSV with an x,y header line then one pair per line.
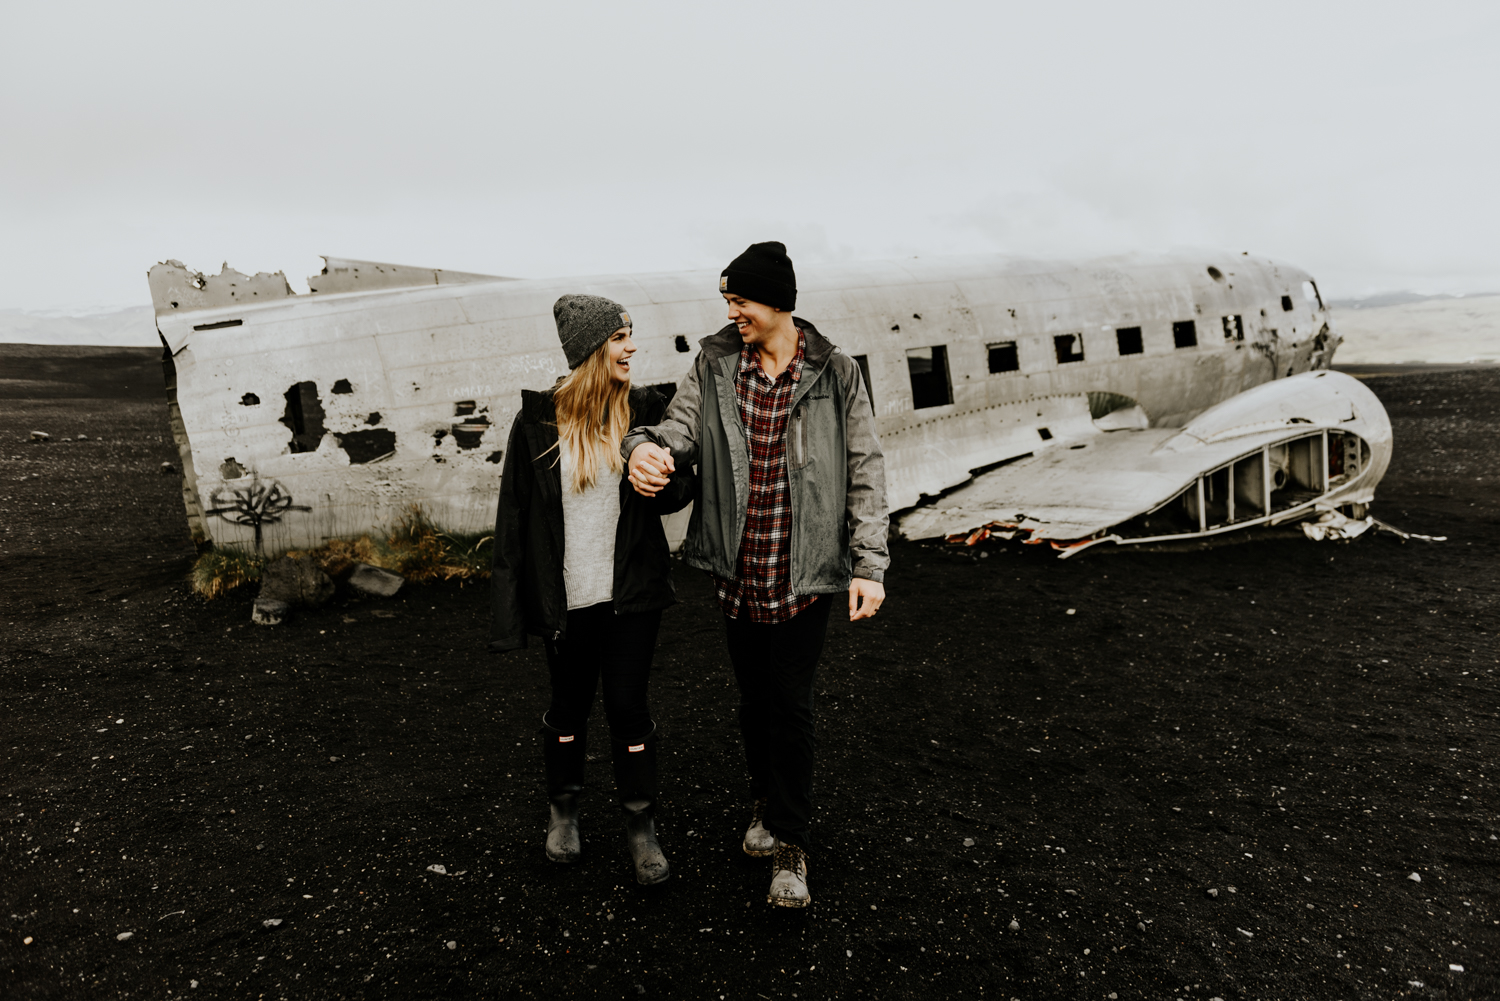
x,y
1278,480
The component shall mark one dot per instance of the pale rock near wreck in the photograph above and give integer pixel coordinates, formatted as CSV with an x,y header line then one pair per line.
x,y
289,582
374,582
269,613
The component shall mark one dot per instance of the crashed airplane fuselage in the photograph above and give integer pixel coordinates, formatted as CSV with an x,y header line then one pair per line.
x,y
301,418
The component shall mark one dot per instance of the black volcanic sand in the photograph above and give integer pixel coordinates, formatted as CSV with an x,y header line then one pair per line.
x,y
1184,775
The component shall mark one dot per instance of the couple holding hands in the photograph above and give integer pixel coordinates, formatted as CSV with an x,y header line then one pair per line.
x,y
789,511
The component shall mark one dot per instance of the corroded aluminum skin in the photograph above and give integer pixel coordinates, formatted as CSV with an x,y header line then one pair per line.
x,y
412,354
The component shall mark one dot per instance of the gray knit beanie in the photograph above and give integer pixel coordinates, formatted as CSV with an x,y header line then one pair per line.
x,y
584,322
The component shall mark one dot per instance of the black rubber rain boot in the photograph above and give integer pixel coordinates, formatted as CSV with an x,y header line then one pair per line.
x,y
635,779
563,756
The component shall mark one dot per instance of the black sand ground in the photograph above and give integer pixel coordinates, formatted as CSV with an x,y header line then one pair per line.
x,y
1210,778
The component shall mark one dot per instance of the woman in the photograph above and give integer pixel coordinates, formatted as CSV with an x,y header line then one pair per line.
x,y
581,560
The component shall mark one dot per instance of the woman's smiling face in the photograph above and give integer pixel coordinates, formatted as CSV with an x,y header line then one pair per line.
x,y
621,347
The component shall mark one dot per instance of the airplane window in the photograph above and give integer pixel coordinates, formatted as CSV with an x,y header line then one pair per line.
x,y
1185,333
1069,347
1129,340
1003,357
863,361
1286,304
1234,328
682,344
1310,293
930,386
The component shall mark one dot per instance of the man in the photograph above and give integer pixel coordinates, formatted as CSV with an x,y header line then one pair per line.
x,y
792,511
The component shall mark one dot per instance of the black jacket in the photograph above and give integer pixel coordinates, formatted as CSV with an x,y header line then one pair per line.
x,y
526,587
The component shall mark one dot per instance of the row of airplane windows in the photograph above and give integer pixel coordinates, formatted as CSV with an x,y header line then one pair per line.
x,y
928,366
1128,341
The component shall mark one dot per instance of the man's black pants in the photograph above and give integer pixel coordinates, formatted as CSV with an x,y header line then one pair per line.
x,y
776,666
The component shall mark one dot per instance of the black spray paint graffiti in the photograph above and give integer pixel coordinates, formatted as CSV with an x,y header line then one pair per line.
x,y
254,505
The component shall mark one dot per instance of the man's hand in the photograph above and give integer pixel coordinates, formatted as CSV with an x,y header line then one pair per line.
x,y
649,468
873,593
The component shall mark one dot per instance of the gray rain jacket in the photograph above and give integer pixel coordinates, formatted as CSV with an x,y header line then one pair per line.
x,y
835,469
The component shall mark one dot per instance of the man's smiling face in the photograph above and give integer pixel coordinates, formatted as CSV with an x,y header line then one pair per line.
x,y
754,320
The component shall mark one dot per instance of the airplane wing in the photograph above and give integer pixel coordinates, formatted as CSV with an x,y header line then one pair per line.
x,y
1275,453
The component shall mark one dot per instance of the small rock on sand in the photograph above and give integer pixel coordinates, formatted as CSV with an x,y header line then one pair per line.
x,y
269,613
125,936
375,582
1415,877
40,436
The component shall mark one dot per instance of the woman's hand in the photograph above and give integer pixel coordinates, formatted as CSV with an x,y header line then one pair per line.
x,y
649,468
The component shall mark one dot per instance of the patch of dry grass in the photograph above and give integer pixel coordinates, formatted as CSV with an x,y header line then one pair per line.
x,y
416,549
219,571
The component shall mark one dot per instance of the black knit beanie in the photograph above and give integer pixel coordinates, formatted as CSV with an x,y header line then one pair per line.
x,y
763,273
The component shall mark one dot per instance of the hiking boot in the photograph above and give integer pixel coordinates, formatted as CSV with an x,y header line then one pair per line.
x,y
788,876
758,841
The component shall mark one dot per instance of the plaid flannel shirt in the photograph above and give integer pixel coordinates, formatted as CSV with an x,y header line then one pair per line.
x,y
762,589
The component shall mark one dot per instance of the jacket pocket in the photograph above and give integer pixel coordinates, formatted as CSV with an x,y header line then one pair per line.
x,y
797,439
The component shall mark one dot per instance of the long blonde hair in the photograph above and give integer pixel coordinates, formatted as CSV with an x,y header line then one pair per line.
x,y
593,414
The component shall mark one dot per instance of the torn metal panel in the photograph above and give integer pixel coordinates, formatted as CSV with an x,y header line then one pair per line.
x,y
180,289
392,386
343,275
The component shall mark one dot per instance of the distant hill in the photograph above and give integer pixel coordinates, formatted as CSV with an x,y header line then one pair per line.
x,y
132,327
1400,299
80,371
1432,330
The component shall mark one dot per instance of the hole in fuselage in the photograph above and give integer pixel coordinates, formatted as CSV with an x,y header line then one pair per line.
x,y
304,417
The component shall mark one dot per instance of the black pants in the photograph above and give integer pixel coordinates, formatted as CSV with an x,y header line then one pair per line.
x,y
600,644
776,667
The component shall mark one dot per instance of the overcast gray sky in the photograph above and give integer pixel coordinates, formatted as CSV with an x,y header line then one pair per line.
x,y
1358,140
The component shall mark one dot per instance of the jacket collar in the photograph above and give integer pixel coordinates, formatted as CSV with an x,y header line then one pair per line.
x,y
817,351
